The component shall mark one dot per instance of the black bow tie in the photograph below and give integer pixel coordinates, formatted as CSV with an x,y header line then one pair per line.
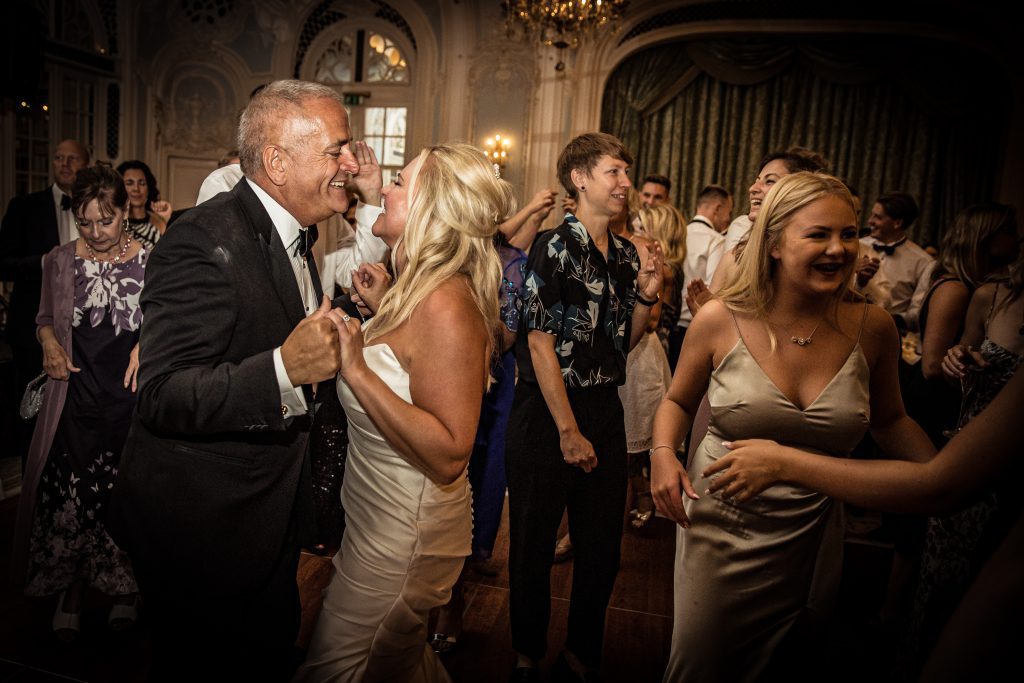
x,y
887,249
305,241
65,203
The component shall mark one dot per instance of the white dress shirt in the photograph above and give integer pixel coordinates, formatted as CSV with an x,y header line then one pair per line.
x,y
347,253
67,229
220,180
737,232
345,249
704,249
908,271
878,290
292,399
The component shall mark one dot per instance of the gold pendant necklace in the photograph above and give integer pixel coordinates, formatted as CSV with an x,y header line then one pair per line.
x,y
804,341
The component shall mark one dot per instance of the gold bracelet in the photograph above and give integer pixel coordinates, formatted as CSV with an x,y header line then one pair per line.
x,y
651,452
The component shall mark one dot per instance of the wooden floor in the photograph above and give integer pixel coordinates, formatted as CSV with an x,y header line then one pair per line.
x,y
639,622
638,632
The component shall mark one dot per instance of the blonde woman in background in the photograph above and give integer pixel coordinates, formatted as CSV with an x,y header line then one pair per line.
x,y
647,368
785,353
411,384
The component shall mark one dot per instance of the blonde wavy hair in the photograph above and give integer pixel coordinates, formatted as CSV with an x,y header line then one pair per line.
x,y
666,224
752,288
965,246
455,205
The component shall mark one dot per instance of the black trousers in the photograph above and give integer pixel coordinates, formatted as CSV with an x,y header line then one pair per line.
x,y
541,486
675,345
199,635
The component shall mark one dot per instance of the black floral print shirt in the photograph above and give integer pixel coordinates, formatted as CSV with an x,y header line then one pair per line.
x,y
584,301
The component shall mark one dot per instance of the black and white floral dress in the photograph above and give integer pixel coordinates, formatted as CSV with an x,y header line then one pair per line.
x,y
69,540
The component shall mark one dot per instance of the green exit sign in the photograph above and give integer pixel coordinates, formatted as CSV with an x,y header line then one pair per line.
x,y
354,98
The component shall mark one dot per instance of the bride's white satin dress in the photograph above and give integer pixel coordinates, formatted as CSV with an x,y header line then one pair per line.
x,y
404,545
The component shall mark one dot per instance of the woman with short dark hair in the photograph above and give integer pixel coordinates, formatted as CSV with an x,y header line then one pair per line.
x,y
88,325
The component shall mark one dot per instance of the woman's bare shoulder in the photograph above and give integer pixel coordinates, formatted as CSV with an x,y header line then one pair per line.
x,y
879,329
449,309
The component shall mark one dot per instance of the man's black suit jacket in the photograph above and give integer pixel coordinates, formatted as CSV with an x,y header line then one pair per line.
x,y
208,488
28,232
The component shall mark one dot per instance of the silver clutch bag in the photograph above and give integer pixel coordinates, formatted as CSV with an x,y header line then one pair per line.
x,y
32,399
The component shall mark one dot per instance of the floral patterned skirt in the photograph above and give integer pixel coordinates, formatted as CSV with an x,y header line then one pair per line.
x,y
69,540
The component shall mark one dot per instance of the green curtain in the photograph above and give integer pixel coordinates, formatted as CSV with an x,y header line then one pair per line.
x,y
915,116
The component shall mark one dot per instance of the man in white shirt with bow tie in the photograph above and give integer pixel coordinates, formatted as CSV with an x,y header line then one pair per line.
x,y
903,263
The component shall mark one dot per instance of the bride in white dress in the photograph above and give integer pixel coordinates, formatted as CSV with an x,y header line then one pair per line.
x,y
411,383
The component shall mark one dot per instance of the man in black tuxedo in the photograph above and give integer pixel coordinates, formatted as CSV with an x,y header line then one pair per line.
x,y
212,499
33,225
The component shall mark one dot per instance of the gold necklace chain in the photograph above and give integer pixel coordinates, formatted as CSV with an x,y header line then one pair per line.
x,y
800,341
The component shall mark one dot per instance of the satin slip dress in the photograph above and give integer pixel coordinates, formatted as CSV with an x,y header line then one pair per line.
x,y
745,572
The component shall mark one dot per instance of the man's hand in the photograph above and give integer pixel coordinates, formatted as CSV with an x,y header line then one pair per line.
x,y
867,266
577,451
649,279
311,352
368,180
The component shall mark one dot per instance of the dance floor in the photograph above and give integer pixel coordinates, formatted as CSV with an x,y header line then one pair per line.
x,y
637,636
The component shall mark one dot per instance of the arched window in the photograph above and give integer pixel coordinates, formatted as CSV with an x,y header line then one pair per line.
x,y
370,67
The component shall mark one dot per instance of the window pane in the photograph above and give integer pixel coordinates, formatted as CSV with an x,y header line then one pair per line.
x,y
385,61
377,143
394,151
396,121
335,63
389,173
374,121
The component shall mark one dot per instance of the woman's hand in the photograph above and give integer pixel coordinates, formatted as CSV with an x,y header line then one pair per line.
x,y
371,282
668,483
751,467
697,294
577,450
350,338
56,362
131,375
542,203
960,360
163,209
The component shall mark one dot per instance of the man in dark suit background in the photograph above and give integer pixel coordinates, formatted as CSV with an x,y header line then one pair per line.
x,y
33,225
212,498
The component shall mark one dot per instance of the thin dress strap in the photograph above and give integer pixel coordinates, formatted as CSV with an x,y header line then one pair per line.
x,y
737,324
991,308
863,318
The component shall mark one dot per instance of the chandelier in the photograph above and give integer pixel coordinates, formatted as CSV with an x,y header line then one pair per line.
x,y
564,24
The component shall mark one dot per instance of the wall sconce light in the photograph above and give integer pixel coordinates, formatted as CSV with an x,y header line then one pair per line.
x,y
497,149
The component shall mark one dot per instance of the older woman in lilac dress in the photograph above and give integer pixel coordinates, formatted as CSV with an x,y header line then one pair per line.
x,y
88,326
